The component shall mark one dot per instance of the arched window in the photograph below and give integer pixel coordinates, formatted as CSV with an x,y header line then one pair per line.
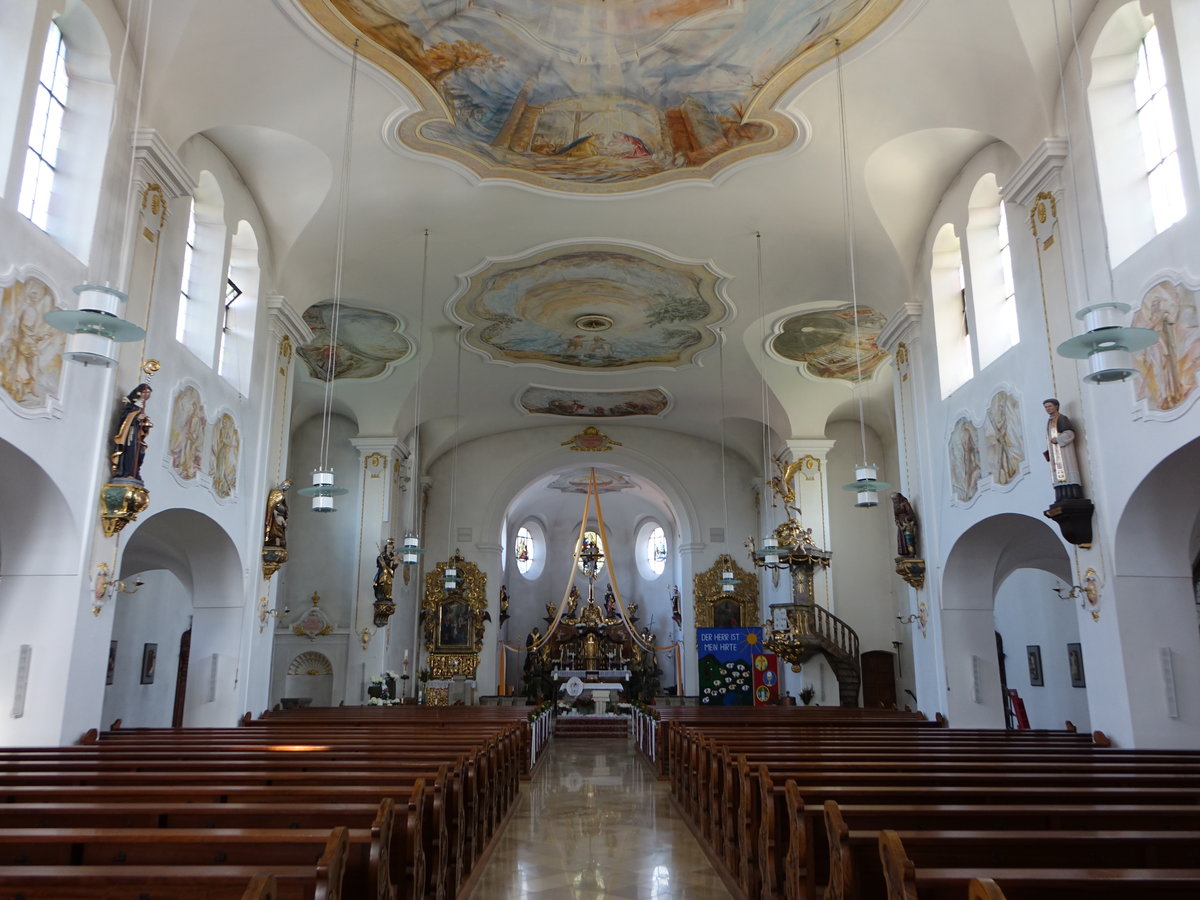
x,y
524,551
1134,133
239,309
70,109
45,132
656,550
993,297
1158,134
950,314
204,282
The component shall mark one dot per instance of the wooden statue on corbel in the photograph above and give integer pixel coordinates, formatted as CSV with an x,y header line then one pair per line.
x,y
274,551
717,608
909,564
453,618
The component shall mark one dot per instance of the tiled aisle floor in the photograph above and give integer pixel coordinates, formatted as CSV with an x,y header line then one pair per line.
x,y
596,825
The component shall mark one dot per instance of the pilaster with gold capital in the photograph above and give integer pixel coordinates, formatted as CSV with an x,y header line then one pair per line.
x,y
811,484
381,458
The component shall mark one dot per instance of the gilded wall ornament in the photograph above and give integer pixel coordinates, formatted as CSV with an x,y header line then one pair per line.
x,y
714,608
591,440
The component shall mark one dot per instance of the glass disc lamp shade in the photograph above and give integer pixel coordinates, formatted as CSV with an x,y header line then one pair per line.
x,y
322,491
1107,345
95,326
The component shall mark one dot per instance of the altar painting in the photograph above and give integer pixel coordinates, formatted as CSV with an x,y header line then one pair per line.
x,y
734,669
593,307
589,95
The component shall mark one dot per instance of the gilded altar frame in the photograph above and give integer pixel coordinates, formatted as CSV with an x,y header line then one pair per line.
x,y
454,619
716,609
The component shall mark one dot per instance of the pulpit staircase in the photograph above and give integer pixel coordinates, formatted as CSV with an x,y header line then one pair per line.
x,y
813,630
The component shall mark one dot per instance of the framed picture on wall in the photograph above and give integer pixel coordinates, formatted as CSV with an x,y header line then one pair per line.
x,y
149,660
1033,654
112,661
1075,664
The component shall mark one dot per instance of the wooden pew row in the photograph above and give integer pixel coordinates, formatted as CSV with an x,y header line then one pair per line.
x,y
907,881
365,867
855,871
425,842
322,881
405,866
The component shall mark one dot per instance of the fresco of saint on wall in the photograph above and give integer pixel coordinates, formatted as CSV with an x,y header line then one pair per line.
x,y
964,460
1003,441
592,307
577,482
223,459
30,350
368,341
548,401
185,445
1167,368
827,344
598,95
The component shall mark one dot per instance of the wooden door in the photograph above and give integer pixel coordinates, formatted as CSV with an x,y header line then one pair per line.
x,y
879,679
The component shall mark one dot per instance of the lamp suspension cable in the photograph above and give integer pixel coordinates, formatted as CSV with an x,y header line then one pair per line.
x,y
323,490
866,484
452,575
762,374
1107,343
412,539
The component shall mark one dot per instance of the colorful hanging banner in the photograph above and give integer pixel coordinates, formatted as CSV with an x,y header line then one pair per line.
x,y
734,668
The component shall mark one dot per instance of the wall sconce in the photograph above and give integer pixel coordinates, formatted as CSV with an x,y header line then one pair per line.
x,y
264,613
105,588
921,617
1088,593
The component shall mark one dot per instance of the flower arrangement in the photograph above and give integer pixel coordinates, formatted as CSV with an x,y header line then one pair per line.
x,y
381,690
807,693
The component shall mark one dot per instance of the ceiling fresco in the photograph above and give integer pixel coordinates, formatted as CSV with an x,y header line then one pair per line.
x,y
598,95
827,345
592,307
369,342
577,482
549,401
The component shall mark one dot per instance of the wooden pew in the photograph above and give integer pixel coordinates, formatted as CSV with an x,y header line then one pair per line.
x,y
322,881
855,872
906,882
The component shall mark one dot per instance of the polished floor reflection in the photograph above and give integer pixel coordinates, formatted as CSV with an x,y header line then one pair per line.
x,y
595,823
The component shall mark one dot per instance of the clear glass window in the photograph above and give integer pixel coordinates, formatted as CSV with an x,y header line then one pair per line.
x,y
185,281
523,550
45,132
1158,134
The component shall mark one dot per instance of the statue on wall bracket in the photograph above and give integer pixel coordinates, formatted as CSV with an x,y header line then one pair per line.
x,y
274,551
453,618
125,496
1071,511
909,564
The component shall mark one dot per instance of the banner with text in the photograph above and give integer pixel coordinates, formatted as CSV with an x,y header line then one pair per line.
x,y
734,668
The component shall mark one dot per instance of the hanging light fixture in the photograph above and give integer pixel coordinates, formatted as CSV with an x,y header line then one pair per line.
x,y
96,326
1108,343
323,488
410,547
866,484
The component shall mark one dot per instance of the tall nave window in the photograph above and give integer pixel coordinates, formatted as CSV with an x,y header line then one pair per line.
x,y
1158,134
45,132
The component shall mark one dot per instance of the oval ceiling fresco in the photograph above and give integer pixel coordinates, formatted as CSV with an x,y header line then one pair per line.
x,y
551,401
369,342
830,345
592,307
597,95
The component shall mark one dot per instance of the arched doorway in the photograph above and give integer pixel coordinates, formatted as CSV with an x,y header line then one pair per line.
x,y
191,580
978,565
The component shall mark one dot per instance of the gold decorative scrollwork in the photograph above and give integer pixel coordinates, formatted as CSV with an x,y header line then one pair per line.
x,y
437,696
711,603
444,666
454,619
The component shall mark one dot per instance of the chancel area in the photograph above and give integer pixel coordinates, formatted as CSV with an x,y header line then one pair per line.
x,y
507,364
